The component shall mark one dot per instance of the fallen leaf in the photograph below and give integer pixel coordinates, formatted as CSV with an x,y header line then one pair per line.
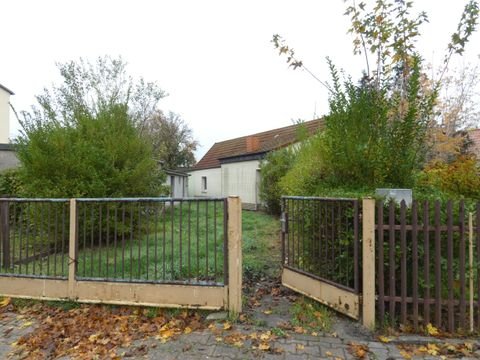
x,y
314,333
328,353
267,312
385,339
264,346
405,354
300,347
187,330
432,330
26,324
227,325
5,301
238,343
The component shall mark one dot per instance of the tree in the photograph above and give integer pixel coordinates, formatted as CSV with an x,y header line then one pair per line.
x,y
172,139
83,138
376,131
88,88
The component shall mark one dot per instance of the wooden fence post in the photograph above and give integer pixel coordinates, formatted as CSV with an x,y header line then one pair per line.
x,y
5,233
234,254
368,261
72,249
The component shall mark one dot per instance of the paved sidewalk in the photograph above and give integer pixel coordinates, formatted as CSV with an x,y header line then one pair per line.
x,y
207,345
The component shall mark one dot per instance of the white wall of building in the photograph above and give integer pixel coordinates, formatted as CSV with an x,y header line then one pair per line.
x,y
241,178
214,183
4,116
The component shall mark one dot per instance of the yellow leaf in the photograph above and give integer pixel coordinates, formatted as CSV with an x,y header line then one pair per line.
x,y
227,326
384,339
187,330
166,334
318,314
238,343
265,336
5,302
218,339
314,333
300,347
405,354
432,349
328,353
267,312
468,346
253,336
432,330
26,324
264,346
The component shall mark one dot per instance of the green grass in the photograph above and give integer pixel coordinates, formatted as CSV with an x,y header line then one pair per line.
x,y
158,251
261,244
311,315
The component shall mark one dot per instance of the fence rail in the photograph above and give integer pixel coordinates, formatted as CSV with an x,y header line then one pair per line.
x,y
157,241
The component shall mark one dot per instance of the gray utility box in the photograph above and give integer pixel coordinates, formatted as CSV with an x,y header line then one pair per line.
x,y
396,195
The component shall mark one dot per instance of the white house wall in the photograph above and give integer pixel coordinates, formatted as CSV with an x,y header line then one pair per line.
x,y
4,116
240,178
214,183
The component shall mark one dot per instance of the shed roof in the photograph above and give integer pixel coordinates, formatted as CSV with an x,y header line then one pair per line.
x,y
6,89
256,143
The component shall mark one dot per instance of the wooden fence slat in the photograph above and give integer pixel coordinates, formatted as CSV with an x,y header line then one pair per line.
x,y
381,280
391,261
438,268
461,254
478,262
451,320
415,263
426,262
403,264
463,291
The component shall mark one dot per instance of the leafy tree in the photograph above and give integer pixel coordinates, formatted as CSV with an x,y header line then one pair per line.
x,y
83,139
376,131
172,139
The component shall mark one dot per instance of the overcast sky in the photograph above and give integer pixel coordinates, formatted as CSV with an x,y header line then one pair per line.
x,y
213,58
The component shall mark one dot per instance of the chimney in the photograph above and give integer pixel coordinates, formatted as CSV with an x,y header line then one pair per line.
x,y
253,143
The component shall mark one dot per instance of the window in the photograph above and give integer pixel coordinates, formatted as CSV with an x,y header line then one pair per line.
x,y
204,183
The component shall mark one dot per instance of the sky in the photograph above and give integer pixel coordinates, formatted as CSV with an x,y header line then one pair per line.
x,y
214,58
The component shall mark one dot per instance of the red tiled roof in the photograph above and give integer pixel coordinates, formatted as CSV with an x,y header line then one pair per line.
x,y
255,143
474,136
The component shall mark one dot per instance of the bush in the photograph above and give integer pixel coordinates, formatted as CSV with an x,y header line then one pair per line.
x,y
308,169
461,178
10,184
272,169
101,156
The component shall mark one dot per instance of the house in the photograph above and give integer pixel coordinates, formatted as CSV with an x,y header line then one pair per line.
x,y
177,181
232,167
8,159
474,136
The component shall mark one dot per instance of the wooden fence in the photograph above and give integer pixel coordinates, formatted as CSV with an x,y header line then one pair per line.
x,y
139,251
428,258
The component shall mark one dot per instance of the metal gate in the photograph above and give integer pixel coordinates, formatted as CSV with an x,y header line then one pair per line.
x,y
320,250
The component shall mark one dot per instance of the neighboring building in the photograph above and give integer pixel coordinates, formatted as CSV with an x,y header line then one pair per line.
x,y
178,183
8,159
474,136
232,167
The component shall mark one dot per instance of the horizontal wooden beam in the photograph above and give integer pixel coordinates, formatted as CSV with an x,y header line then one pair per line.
x,y
343,301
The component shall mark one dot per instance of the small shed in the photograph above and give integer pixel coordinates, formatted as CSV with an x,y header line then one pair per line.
x,y
177,181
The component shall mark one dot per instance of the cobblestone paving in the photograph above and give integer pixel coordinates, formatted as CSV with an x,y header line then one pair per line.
x,y
204,345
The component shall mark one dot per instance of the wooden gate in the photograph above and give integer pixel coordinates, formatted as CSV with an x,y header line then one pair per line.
x,y
321,250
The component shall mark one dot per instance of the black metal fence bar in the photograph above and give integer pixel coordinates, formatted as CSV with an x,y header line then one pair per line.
x,y
153,240
33,241
320,238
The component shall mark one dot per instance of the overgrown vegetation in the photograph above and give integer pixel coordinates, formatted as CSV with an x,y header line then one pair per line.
x,y
379,129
